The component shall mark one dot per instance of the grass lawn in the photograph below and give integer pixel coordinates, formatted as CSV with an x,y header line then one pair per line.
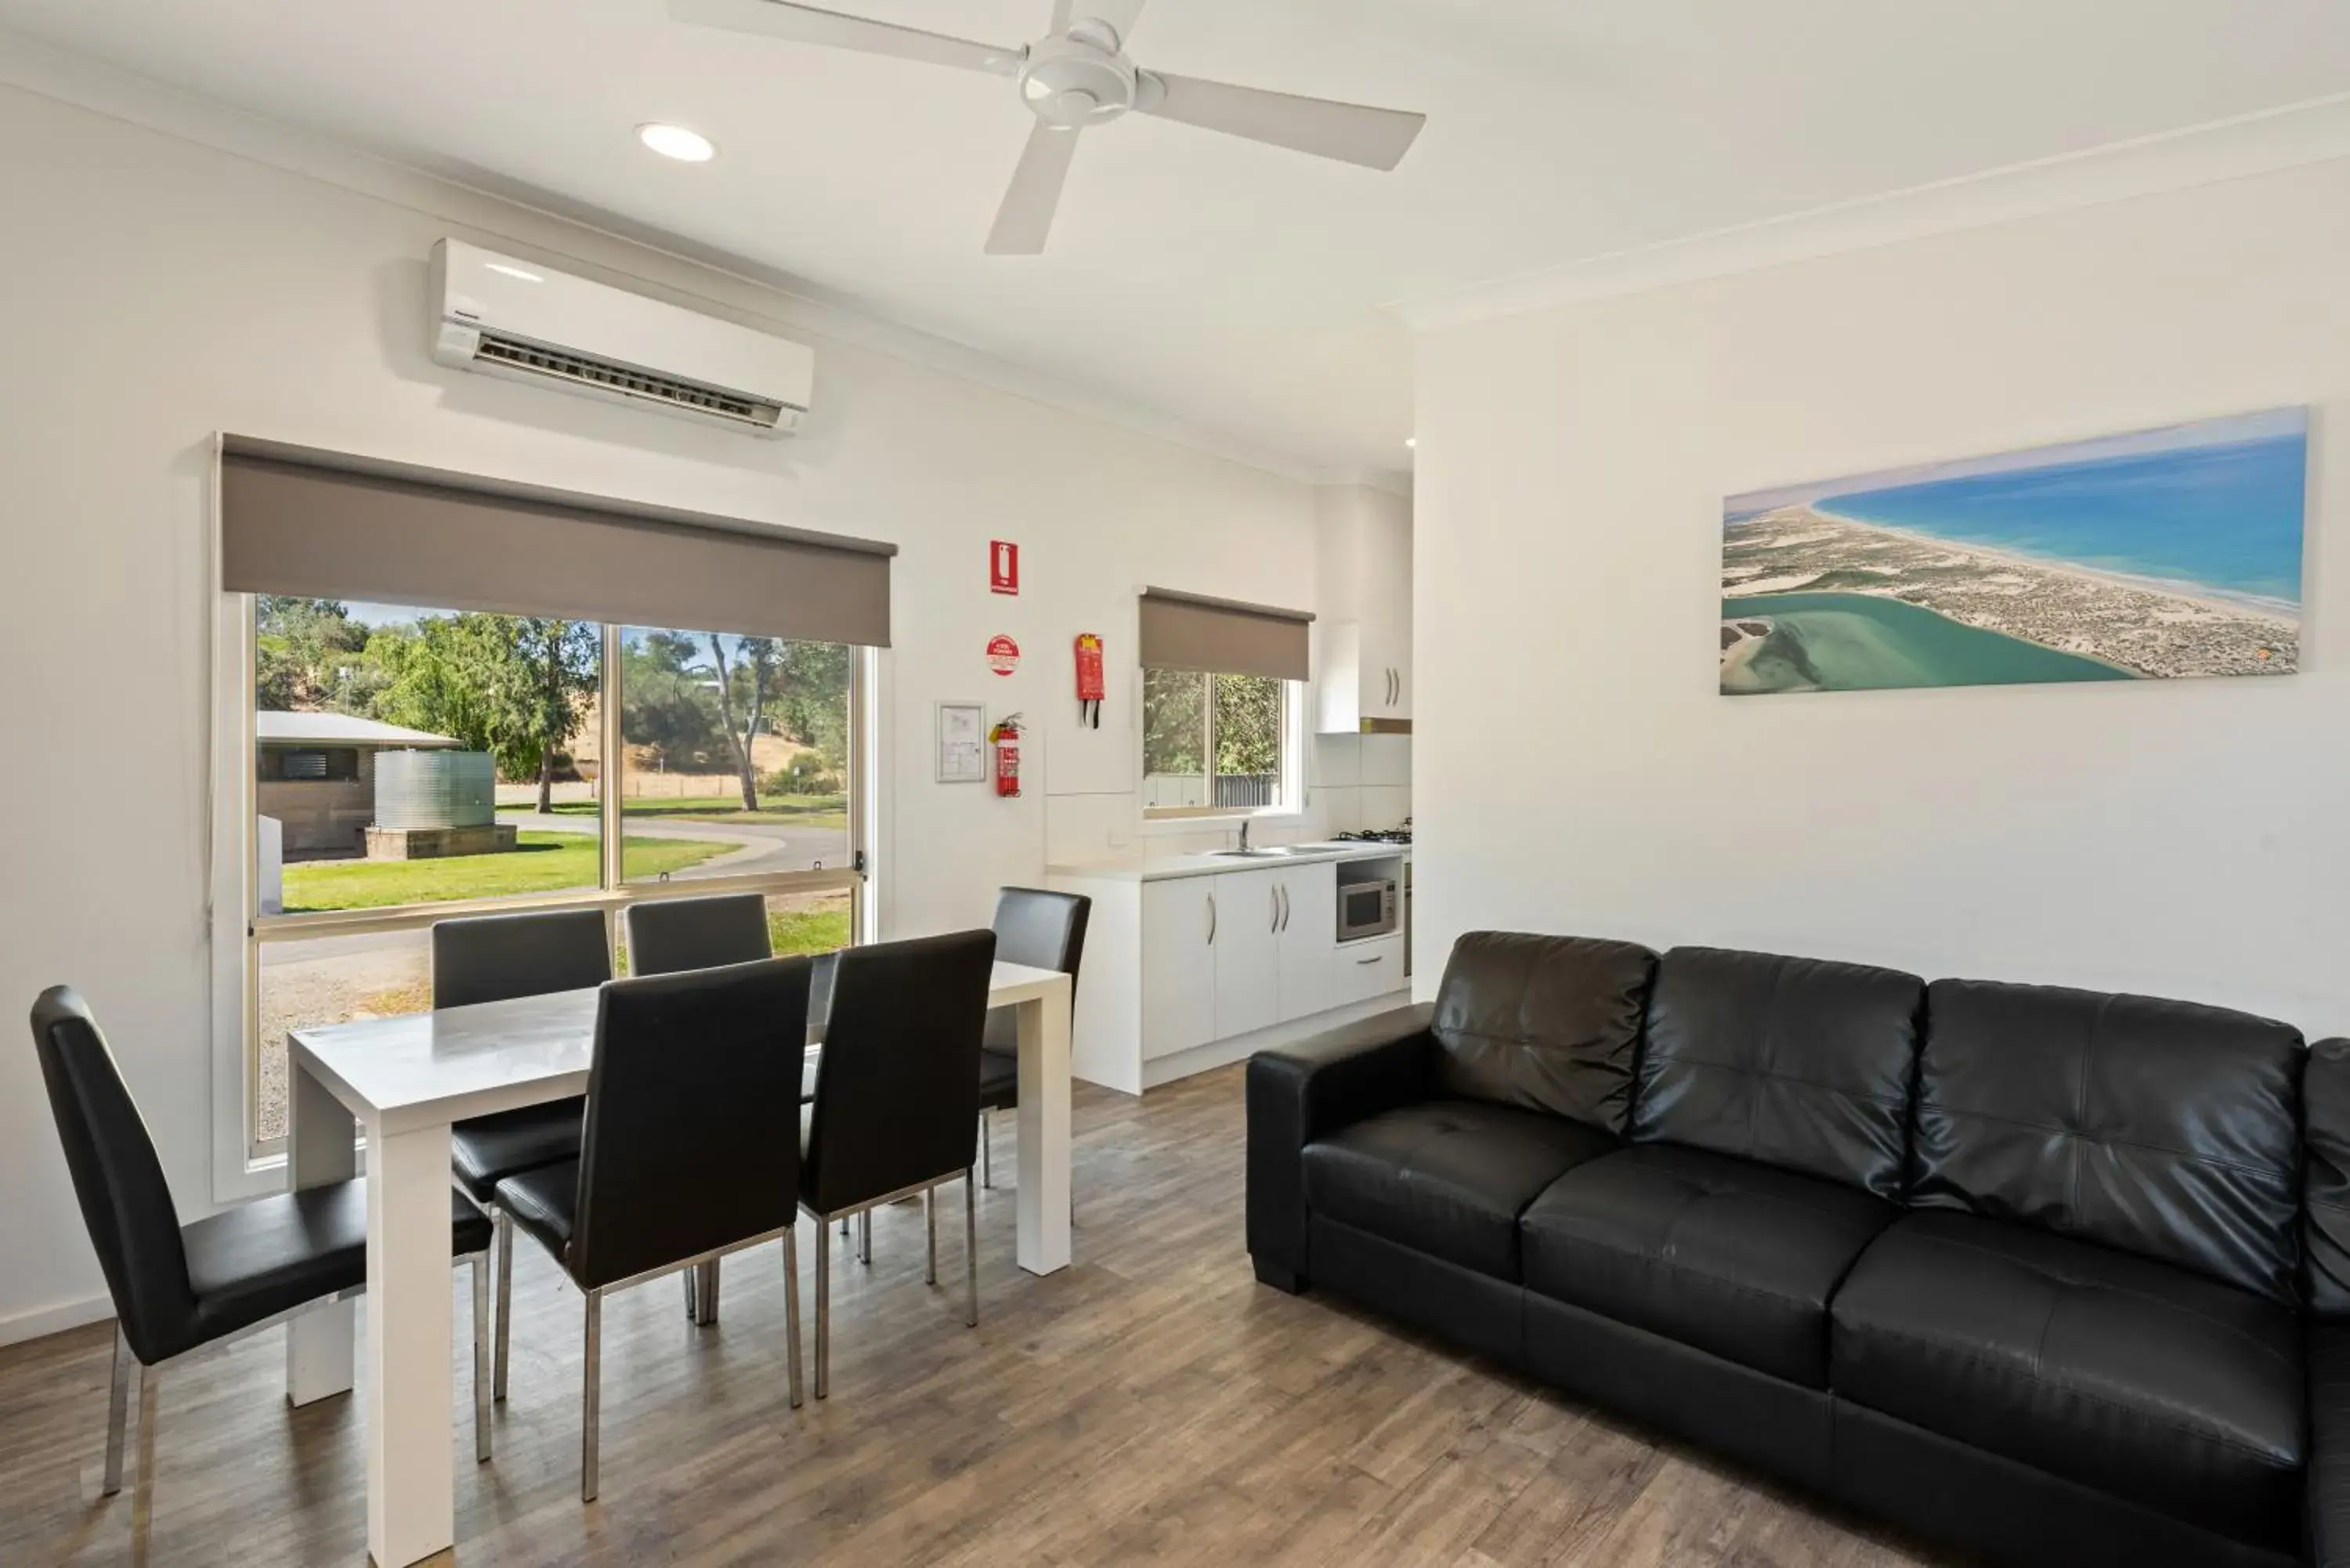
x,y
539,863
807,930
800,810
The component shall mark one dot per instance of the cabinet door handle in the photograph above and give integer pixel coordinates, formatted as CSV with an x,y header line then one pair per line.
x,y
1381,958
1281,895
1273,902
1212,919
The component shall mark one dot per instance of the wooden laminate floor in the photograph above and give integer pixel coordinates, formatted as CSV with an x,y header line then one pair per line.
x,y
1152,1404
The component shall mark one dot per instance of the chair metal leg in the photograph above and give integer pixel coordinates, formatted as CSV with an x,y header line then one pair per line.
x,y
865,1238
844,1227
504,1223
705,1293
591,1397
693,1310
822,1307
792,1306
969,1249
930,1225
481,1266
986,1149
117,1410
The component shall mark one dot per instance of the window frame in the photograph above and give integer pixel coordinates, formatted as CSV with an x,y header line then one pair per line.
x,y
1290,801
246,1163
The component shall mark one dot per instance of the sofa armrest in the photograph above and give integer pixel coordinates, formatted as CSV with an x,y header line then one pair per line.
x,y
1299,1093
2328,1495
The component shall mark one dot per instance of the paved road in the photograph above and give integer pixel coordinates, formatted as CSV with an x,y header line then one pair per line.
x,y
761,846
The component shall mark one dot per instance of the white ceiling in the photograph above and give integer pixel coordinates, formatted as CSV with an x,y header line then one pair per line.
x,y
1238,287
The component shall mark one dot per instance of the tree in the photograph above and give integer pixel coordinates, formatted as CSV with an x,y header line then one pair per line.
x,y
561,659
513,686
667,708
301,647
756,667
1248,724
1174,722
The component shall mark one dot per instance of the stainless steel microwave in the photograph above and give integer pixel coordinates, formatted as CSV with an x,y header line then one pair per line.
x,y
1365,909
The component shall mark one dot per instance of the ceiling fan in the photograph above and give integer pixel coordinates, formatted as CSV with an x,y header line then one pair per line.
x,y
1076,77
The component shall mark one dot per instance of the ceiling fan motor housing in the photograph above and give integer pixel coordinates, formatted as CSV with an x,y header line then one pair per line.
x,y
1078,80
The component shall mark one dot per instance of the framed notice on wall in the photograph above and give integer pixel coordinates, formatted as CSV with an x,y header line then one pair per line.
x,y
962,743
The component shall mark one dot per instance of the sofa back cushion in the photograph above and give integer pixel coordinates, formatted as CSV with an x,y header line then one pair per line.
x,y
1551,1023
2163,1129
1796,1063
2325,1176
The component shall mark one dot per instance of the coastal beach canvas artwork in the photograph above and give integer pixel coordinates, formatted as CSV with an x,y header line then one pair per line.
x,y
2159,554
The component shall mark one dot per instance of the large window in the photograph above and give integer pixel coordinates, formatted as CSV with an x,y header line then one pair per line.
x,y
409,762
1215,744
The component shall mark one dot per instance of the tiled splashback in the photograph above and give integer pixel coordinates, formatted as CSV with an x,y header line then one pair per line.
x,y
1359,781
1352,781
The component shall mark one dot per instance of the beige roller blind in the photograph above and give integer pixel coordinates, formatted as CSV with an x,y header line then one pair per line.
x,y
1186,631
321,525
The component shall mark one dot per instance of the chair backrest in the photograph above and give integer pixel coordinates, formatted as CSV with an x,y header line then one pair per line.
x,y
1043,930
1552,1023
494,957
1799,1063
670,934
2165,1128
689,1142
125,1202
897,1088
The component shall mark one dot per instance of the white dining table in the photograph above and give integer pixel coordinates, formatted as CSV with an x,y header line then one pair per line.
x,y
401,1083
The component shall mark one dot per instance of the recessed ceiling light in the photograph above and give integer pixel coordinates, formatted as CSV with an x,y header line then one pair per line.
x,y
676,141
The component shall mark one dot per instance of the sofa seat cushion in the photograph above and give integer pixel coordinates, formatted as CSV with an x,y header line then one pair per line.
x,y
1448,1177
2114,1371
1719,1253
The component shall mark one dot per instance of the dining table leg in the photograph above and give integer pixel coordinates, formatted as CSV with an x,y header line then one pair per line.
x,y
1044,1114
321,1150
410,1396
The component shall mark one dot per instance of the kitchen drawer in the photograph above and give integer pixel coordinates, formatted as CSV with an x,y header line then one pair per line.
x,y
1361,971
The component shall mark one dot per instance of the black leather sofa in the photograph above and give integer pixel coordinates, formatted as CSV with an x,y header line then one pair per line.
x,y
2053,1276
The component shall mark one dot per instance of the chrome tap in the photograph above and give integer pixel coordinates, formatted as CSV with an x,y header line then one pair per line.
x,y
1244,827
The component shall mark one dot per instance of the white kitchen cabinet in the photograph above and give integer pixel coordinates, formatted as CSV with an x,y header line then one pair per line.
x,y
1361,971
1363,675
1178,965
1248,952
1193,961
1309,928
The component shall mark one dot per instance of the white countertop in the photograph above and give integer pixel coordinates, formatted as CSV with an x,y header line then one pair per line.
x,y
1161,868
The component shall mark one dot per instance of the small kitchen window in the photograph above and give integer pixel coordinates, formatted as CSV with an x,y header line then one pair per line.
x,y
1223,706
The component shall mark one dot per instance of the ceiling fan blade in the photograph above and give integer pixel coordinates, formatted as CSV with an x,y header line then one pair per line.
x,y
1026,218
807,25
1374,137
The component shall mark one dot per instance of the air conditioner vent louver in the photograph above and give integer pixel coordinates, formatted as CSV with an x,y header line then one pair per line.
x,y
527,321
579,368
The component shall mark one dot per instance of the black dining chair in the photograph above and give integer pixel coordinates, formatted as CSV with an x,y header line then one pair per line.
x,y
897,1098
497,958
1043,930
670,936
685,1156
179,1288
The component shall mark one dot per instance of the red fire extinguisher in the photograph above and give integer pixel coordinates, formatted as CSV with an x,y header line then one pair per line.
x,y
1003,740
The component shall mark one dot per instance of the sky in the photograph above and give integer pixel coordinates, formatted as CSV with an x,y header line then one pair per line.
x,y
2222,431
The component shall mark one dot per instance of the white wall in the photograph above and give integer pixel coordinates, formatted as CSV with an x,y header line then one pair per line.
x,y
158,291
1575,770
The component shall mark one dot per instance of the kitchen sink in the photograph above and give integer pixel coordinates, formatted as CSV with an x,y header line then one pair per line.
x,y
1249,854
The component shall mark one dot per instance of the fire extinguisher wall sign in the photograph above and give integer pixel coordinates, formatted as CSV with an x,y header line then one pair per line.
x,y
1003,744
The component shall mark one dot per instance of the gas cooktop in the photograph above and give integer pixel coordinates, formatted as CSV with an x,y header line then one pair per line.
x,y
1373,835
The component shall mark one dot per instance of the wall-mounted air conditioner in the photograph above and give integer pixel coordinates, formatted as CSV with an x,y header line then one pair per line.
x,y
527,322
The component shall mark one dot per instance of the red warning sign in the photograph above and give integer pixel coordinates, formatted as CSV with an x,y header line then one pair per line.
x,y
1003,567
1003,654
